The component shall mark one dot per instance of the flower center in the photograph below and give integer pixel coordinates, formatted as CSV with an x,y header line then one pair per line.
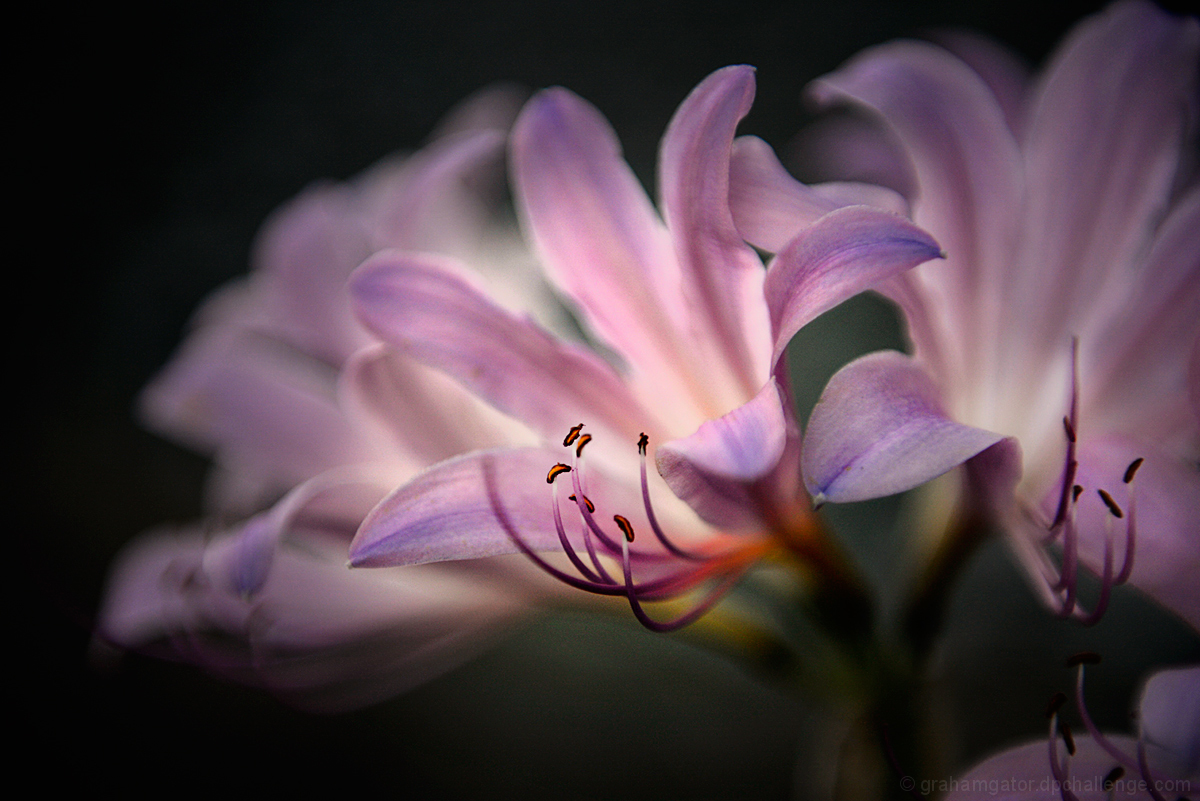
x,y
668,572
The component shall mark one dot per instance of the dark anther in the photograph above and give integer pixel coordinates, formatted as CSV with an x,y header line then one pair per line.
x,y
556,471
1131,471
1111,504
625,526
643,441
591,507
1076,491
1067,737
571,435
1112,777
584,440
1056,702
1083,658
1070,429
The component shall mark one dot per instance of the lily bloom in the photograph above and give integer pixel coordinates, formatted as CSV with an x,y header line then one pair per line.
x,y
1161,762
294,398
693,329
1055,349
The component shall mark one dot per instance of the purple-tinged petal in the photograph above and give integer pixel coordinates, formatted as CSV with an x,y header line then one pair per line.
x,y
425,306
1138,362
1169,713
1023,774
845,252
1168,518
852,144
425,415
711,470
302,257
473,506
319,635
722,276
601,241
1001,69
257,403
969,175
439,198
770,207
1105,133
879,429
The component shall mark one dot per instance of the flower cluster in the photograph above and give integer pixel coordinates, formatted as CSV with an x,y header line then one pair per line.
x,y
368,395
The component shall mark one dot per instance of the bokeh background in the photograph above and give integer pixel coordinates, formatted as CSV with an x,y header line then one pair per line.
x,y
158,142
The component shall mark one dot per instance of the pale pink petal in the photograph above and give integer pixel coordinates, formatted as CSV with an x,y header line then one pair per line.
x,y
318,634
302,257
1169,713
1005,73
712,470
1167,514
439,199
423,305
1138,375
601,241
477,505
424,415
722,276
770,206
1106,128
1023,774
255,402
969,175
879,429
852,144
845,252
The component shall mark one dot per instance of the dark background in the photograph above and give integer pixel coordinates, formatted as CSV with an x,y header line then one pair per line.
x,y
152,145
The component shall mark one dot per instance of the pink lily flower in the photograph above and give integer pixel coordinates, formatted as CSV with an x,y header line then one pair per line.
x,y
1055,349
695,328
294,398
1161,762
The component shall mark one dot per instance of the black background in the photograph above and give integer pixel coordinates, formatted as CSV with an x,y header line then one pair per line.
x,y
150,147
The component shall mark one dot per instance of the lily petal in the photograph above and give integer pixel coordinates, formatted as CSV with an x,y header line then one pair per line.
x,y
424,414
472,506
1169,711
427,307
601,241
320,635
771,207
1106,129
968,169
845,252
712,469
879,429
722,276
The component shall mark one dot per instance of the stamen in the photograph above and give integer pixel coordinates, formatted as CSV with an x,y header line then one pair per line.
x,y
643,441
571,435
625,526
1079,660
1131,471
587,501
584,440
1111,504
1076,491
1112,777
1068,738
1056,702
557,471
1070,425
1083,658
